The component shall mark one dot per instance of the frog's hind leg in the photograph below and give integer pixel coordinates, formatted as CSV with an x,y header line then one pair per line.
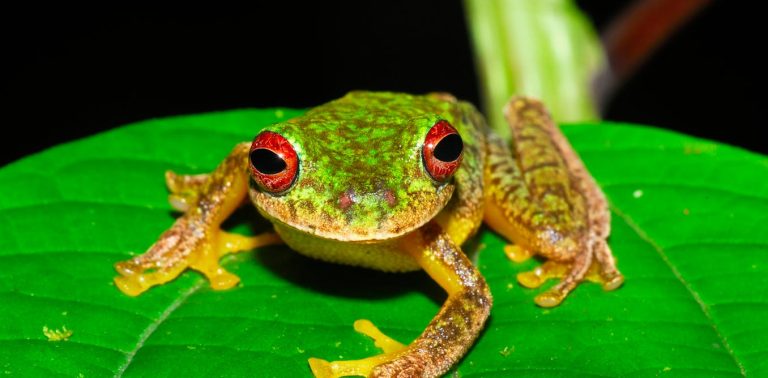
x,y
540,196
196,240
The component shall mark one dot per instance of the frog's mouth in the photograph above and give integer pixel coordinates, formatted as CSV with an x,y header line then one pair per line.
x,y
350,224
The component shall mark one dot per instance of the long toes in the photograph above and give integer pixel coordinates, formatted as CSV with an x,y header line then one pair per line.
x,y
382,341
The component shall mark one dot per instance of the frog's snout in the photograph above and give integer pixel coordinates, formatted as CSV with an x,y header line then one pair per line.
x,y
350,197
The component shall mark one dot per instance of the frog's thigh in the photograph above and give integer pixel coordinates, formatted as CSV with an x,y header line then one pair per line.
x,y
506,199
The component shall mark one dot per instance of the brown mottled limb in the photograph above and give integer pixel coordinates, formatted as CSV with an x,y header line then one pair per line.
x,y
195,239
461,318
549,204
450,333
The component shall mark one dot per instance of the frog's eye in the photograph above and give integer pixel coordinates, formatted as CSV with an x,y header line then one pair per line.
x,y
273,162
442,151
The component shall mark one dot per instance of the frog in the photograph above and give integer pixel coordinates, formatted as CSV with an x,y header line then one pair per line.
x,y
398,183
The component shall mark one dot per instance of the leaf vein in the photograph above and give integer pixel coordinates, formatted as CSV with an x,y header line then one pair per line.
x,y
152,327
704,307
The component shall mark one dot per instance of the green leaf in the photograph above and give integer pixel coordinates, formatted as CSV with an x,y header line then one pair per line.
x,y
689,232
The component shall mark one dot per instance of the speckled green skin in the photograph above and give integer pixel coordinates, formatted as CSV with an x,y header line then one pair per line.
x,y
361,176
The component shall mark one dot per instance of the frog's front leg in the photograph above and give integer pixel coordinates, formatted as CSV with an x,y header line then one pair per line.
x,y
541,197
195,240
451,332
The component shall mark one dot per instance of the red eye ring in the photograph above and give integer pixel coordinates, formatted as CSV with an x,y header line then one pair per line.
x,y
273,162
442,151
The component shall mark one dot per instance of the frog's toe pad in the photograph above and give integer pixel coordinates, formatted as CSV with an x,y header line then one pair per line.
x,y
612,282
130,286
531,279
550,298
223,280
517,253
140,281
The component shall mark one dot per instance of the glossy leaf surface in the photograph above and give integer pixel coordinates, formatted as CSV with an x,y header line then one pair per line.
x,y
689,231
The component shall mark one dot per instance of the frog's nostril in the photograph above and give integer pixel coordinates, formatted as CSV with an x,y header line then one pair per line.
x,y
389,196
347,199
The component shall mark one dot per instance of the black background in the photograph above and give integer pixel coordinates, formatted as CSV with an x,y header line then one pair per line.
x,y
72,72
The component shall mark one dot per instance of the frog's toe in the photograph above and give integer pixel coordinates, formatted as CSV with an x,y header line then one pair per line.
x,y
130,286
608,275
219,277
612,282
382,341
538,276
550,298
321,368
137,283
363,367
517,253
571,274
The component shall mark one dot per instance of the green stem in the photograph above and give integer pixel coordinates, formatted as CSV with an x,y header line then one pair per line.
x,y
541,48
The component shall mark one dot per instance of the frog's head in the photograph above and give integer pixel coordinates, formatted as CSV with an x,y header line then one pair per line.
x,y
355,174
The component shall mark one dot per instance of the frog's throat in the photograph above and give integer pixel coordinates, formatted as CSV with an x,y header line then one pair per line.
x,y
396,225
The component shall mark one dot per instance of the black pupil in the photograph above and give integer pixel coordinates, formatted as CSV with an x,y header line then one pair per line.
x,y
267,162
449,148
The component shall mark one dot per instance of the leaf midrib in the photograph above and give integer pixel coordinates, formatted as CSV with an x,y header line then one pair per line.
x,y
152,327
702,305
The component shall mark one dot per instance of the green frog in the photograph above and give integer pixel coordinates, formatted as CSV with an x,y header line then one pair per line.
x,y
397,182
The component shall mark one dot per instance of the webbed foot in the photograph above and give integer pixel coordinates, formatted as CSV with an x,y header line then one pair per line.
x,y
363,367
572,273
188,244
